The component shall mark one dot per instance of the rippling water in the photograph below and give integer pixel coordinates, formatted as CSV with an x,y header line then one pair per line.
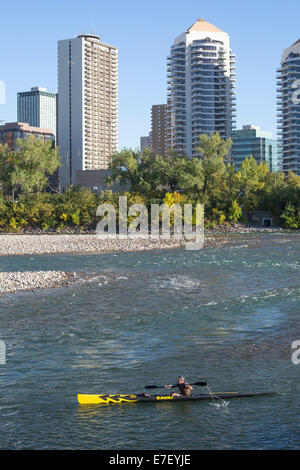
x,y
226,315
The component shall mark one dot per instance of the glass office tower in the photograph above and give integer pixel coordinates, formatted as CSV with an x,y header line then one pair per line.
x,y
251,140
37,108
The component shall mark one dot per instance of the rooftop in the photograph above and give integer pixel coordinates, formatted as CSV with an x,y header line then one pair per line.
x,y
89,36
38,88
24,127
202,25
297,42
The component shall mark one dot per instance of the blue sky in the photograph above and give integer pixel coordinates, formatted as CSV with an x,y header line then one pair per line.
x,y
143,32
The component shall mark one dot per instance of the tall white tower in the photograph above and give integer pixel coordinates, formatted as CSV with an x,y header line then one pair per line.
x,y
87,105
288,81
201,83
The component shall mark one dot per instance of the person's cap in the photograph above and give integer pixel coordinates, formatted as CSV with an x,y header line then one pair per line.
x,y
180,377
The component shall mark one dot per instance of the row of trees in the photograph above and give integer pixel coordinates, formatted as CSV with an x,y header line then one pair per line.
x,y
227,195
74,208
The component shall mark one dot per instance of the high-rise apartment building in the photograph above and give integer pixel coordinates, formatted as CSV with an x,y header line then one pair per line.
x,y
87,105
37,108
201,82
251,140
159,128
288,81
146,142
156,141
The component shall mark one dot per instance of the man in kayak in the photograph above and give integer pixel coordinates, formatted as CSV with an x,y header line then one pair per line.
x,y
184,387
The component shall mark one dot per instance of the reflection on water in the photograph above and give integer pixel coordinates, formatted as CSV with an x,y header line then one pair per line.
x,y
227,316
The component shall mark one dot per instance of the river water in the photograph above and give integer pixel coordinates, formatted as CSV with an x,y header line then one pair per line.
x,y
225,315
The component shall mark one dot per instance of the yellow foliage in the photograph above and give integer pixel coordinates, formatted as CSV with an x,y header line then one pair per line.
x,y
173,198
13,224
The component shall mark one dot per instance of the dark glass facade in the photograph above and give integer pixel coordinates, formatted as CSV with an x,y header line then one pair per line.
x,y
257,143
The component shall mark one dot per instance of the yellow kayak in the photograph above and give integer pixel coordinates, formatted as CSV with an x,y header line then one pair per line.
x,y
90,399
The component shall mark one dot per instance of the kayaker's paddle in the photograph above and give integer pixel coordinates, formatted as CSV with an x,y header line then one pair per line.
x,y
202,384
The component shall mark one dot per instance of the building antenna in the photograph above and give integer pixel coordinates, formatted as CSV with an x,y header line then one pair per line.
x,y
93,32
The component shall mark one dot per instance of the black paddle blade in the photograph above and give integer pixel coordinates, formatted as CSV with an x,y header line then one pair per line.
x,y
202,384
152,386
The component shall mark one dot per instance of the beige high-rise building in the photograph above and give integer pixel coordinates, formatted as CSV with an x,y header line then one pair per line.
x,y
87,105
159,128
201,87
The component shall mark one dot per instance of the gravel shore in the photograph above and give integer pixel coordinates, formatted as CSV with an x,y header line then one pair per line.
x,y
11,282
38,244
55,244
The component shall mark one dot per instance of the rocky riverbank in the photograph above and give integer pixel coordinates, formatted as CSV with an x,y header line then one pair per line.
x,y
242,228
12,282
55,244
225,228
38,243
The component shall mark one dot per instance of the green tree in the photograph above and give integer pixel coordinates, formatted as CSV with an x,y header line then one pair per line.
x,y
28,167
213,146
6,167
235,211
250,180
168,170
275,194
133,168
145,172
213,150
291,217
191,178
